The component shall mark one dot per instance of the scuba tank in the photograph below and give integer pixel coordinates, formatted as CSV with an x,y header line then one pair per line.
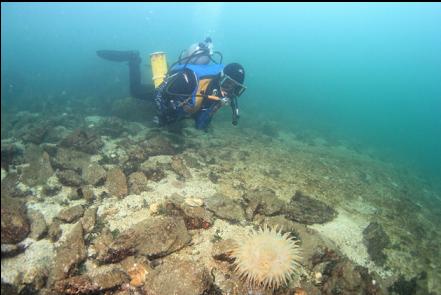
x,y
198,53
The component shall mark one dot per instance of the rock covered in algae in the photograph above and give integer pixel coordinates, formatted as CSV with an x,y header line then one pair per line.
x,y
154,237
116,183
306,210
15,225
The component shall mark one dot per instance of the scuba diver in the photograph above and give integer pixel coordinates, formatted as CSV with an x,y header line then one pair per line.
x,y
195,86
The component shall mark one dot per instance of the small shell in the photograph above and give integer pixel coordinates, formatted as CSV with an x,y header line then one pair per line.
x,y
194,202
154,208
318,278
137,274
300,291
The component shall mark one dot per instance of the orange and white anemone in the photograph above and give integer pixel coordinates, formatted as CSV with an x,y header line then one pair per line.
x,y
266,257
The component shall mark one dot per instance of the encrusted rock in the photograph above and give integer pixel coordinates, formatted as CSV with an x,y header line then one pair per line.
x,y
71,214
69,177
76,285
306,210
159,145
9,250
74,194
110,279
83,140
54,232
417,285
346,278
68,159
9,154
262,201
137,183
221,250
87,284
152,238
197,217
39,169
152,170
375,239
226,208
89,219
86,192
116,183
94,174
178,166
36,134
113,127
136,154
214,177
194,217
8,289
56,134
49,148
52,186
69,255
14,222
10,187
38,225
178,277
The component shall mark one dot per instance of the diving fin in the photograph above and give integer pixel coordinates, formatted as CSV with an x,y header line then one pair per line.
x,y
118,55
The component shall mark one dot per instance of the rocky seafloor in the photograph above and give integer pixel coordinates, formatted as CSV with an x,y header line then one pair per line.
x,y
100,204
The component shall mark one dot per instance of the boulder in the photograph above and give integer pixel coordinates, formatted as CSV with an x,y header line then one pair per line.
x,y
306,210
69,255
375,239
15,225
94,174
116,183
178,277
153,238
262,201
226,208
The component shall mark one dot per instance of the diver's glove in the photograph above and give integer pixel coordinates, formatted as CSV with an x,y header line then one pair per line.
x,y
225,101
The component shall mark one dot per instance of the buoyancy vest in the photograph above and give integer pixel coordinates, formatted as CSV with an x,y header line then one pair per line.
x,y
204,75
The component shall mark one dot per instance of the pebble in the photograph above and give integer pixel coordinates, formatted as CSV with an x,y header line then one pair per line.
x,y
194,202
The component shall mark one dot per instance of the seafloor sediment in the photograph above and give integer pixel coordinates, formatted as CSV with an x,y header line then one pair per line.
x,y
100,204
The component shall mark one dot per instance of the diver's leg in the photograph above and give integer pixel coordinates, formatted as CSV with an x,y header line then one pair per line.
x,y
161,104
137,89
117,55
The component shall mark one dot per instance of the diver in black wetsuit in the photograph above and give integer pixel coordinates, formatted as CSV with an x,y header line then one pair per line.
x,y
195,86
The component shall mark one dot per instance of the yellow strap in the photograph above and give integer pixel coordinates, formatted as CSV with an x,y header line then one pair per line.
x,y
199,97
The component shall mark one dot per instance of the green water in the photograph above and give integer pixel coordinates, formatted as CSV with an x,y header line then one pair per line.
x,y
368,75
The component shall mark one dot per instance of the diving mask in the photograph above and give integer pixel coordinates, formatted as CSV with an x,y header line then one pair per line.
x,y
231,87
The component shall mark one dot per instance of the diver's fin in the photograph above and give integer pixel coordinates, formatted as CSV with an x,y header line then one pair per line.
x,y
117,55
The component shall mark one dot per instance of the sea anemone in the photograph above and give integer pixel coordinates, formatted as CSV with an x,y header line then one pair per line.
x,y
266,257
